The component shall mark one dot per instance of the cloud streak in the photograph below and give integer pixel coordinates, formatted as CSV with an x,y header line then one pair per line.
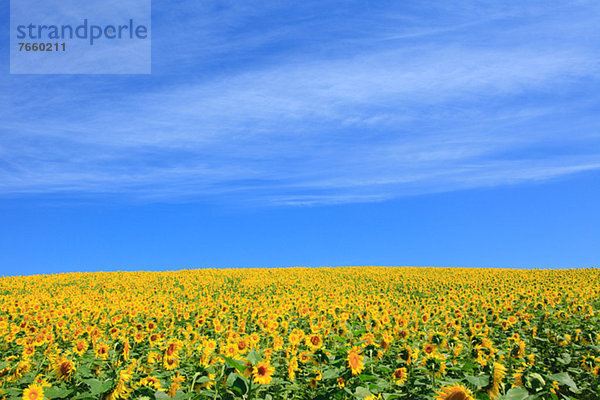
x,y
413,114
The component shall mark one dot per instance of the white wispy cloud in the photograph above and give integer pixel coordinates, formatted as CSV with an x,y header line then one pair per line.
x,y
416,113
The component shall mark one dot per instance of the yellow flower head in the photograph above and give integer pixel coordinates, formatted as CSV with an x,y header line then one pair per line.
x,y
454,392
400,375
33,392
263,373
355,361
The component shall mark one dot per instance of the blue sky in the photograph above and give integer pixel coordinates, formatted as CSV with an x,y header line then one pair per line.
x,y
280,133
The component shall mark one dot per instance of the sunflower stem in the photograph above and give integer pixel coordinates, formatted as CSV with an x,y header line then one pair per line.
x,y
250,389
193,383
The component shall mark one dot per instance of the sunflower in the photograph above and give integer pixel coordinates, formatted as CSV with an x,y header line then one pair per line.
x,y
254,338
368,339
314,342
555,387
278,342
209,345
518,377
248,368
102,351
63,369
230,350
80,347
33,392
314,381
487,343
267,353
218,326
587,362
263,373
242,345
304,357
154,339
386,341
454,392
292,368
457,349
121,391
428,348
400,375
138,337
28,351
211,383
176,384
22,368
152,357
435,364
294,339
126,349
113,332
355,361
40,380
406,355
170,363
497,377
173,348
150,381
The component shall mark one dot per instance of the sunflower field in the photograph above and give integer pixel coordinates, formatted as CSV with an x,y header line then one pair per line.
x,y
302,333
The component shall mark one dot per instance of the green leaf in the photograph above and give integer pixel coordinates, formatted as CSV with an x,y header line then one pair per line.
x,y
180,395
479,381
237,382
362,392
56,392
537,396
85,396
203,379
374,387
565,358
98,387
254,357
535,382
517,393
565,379
160,395
239,366
468,366
366,377
13,392
482,396
331,374
84,371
